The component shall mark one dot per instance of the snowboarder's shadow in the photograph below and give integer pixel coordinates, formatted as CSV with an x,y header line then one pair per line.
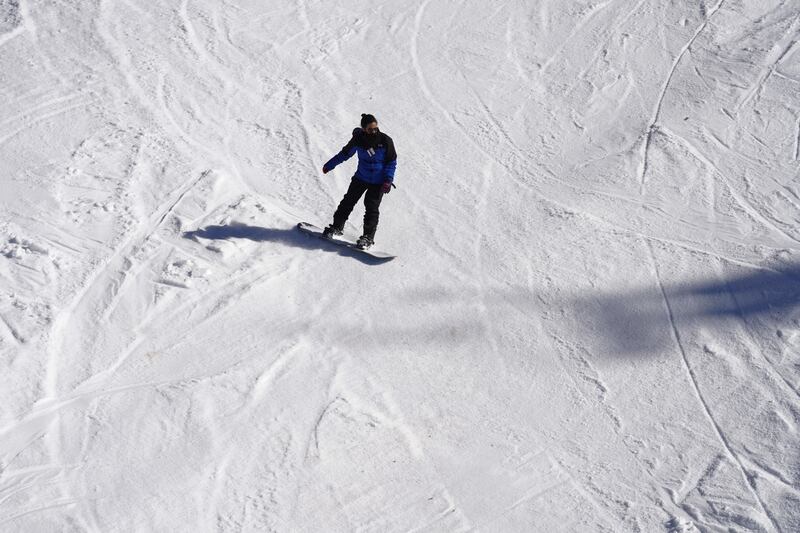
x,y
285,236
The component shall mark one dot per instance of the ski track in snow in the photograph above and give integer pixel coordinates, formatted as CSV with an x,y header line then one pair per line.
x,y
701,398
178,357
653,127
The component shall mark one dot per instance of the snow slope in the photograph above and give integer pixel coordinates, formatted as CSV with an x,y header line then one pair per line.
x,y
593,323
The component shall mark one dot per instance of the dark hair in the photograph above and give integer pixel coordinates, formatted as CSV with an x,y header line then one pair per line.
x,y
366,118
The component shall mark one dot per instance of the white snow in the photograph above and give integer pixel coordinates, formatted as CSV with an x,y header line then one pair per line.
x,y
592,324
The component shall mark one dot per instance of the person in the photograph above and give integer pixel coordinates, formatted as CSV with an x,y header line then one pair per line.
x,y
374,177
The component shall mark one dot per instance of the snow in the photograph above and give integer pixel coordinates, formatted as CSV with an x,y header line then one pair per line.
x,y
593,319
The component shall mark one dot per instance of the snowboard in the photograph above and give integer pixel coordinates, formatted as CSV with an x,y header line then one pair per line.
x,y
315,231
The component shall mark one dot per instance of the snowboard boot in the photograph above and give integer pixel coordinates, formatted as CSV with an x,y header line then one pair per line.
x,y
331,231
364,242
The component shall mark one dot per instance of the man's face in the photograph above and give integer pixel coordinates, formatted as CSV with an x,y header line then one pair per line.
x,y
371,128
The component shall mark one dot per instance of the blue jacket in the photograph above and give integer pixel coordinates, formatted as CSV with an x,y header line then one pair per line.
x,y
377,159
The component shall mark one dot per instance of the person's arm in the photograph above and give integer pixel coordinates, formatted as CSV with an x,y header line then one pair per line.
x,y
389,161
344,154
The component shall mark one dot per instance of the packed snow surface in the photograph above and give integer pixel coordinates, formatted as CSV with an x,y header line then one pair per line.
x,y
593,319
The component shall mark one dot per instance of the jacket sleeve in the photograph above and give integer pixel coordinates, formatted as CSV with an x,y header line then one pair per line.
x,y
344,154
390,160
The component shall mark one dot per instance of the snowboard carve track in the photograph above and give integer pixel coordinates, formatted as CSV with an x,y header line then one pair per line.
x,y
783,48
114,269
191,34
797,142
42,118
653,127
593,10
589,493
746,205
12,333
60,503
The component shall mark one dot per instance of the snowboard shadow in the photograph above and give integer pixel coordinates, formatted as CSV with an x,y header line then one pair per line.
x,y
286,236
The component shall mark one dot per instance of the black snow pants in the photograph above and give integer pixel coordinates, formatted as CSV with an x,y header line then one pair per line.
x,y
372,202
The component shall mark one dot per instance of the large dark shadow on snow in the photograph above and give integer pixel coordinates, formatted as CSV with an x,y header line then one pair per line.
x,y
286,236
640,321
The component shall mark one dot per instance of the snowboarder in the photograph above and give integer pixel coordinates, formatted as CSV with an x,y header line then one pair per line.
x,y
374,176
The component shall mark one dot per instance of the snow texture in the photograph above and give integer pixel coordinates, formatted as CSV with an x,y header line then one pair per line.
x,y
592,324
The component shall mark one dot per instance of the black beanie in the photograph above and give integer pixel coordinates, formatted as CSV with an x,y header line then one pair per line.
x,y
366,118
